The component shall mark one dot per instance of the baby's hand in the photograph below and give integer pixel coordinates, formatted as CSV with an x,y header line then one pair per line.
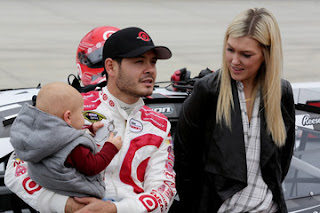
x,y
117,141
96,126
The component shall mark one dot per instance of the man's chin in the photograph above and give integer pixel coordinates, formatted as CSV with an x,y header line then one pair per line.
x,y
146,93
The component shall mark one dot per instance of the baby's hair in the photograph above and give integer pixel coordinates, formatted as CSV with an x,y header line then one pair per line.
x,y
57,97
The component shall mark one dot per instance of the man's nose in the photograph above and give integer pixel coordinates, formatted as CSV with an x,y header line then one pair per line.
x,y
151,68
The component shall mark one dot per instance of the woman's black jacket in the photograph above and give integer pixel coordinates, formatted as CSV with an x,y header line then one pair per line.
x,y
210,161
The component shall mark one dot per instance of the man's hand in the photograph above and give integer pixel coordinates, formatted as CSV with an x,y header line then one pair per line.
x,y
96,205
72,205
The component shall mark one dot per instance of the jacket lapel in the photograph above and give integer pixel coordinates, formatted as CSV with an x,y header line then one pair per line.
x,y
267,145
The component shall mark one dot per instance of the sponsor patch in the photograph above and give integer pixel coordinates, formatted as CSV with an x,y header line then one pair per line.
x,y
91,100
157,119
93,116
135,125
20,170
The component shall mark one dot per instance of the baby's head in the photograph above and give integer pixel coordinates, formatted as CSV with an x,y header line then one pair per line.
x,y
63,101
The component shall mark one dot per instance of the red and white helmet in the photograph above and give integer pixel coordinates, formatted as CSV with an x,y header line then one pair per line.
x,y
89,55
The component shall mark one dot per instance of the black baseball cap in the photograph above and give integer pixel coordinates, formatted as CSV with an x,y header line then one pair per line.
x,y
132,42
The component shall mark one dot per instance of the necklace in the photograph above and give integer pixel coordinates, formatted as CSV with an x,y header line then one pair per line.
x,y
248,99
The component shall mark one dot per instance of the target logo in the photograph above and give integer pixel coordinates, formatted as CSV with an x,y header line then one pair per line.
x,y
107,34
30,186
111,103
149,202
144,36
104,97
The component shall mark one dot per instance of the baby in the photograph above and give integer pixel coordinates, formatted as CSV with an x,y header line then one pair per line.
x,y
61,155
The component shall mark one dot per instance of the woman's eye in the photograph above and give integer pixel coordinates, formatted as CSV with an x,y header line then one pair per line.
x,y
246,55
229,49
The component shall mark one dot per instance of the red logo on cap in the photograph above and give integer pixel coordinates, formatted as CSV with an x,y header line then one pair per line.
x,y
144,36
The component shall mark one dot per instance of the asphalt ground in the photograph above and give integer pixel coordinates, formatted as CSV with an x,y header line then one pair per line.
x,y
39,38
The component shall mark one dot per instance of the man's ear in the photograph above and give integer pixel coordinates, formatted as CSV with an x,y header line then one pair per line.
x,y
67,117
109,65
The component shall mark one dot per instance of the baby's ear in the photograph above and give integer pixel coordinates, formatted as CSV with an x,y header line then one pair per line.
x,y
67,117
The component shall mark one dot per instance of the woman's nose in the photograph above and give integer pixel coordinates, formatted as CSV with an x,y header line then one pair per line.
x,y
235,59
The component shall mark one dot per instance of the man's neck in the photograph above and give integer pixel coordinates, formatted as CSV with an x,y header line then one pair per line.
x,y
128,107
127,99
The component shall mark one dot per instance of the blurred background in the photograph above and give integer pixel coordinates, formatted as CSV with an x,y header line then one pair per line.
x,y
39,38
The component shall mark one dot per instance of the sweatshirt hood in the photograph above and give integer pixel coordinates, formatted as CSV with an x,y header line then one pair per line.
x,y
36,135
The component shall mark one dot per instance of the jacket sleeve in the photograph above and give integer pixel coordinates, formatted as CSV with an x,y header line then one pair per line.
x,y
18,181
287,149
159,184
188,144
83,160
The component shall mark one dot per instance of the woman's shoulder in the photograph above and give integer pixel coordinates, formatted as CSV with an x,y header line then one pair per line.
x,y
287,92
286,87
209,82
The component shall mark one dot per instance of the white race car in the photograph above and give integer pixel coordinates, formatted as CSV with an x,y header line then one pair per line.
x,y
301,186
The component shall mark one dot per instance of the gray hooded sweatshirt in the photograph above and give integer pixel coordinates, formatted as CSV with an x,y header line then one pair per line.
x,y
45,141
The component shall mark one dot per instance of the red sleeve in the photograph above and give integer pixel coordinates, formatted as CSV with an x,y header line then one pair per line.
x,y
90,128
82,159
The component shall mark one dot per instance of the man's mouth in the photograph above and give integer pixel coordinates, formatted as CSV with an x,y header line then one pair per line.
x,y
147,81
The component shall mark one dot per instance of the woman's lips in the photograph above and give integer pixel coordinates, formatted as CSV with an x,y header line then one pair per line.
x,y
236,69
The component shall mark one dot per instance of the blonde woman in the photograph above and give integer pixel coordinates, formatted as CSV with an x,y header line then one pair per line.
x,y
235,136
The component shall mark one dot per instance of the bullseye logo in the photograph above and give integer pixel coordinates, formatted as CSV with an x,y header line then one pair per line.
x,y
111,103
107,34
104,97
30,186
149,202
144,36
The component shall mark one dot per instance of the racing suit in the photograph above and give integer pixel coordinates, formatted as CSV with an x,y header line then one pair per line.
x,y
140,178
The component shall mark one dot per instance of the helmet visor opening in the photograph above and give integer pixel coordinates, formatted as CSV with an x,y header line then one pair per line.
x,y
92,60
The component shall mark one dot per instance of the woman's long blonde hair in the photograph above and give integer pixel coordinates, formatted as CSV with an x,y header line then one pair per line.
x,y
259,24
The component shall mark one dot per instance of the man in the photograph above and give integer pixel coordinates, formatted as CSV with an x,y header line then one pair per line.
x,y
140,178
